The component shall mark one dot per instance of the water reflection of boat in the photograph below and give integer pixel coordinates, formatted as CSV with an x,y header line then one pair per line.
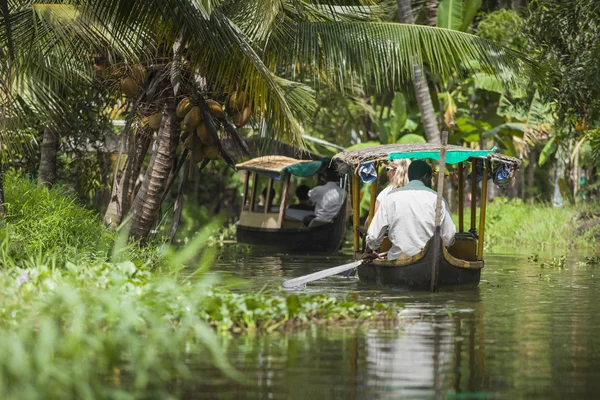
x,y
456,267
279,226
434,356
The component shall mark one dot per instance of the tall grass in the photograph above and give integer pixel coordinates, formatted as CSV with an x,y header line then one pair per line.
x,y
48,224
515,226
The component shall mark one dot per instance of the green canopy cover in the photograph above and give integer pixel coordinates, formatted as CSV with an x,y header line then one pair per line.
x,y
452,156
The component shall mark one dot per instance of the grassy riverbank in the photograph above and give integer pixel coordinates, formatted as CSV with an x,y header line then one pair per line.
x,y
84,317
524,228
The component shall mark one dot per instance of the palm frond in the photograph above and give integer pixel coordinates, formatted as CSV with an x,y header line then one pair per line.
x,y
385,53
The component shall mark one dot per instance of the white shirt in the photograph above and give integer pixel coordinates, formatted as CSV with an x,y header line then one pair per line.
x,y
328,199
383,193
407,215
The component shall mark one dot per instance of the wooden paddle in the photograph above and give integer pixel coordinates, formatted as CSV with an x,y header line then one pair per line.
x,y
437,239
315,276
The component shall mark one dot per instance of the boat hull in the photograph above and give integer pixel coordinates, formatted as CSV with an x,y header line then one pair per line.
x,y
323,238
414,273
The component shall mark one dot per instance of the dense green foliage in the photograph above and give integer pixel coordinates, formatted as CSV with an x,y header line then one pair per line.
x,y
566,33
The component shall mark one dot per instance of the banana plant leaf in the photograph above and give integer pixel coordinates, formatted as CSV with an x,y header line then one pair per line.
x,y
547,151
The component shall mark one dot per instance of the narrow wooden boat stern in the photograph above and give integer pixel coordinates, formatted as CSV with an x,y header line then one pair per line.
x,y
414,273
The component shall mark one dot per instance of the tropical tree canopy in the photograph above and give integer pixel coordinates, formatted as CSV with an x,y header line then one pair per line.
x,y
271,50
567,34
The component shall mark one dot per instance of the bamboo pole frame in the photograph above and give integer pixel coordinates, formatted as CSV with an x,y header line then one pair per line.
x,y
484,184
437,239
355,210
246,187
284,199
473,196
268,196
461,199
253,194
373,198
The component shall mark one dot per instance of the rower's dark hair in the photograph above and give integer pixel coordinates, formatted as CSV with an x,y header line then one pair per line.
x,y
331,175
302,192
418,169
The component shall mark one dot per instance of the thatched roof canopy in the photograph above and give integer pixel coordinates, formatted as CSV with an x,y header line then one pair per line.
x,y
347,161
268,164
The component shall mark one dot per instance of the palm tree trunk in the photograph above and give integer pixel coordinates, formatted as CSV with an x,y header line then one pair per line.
x,y
49,149
430,125
148,200
122,193
143,138
178,207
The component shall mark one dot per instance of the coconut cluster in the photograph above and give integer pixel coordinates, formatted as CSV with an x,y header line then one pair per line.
x,y
195,135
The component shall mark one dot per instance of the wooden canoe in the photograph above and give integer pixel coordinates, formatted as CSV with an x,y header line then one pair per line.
x,y
458,268
328,237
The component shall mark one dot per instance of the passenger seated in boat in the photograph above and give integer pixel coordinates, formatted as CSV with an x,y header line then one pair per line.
x,y
303,200
262,199
397,177
407,216
328,199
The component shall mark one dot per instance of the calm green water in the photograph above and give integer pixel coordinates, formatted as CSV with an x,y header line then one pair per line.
x,y
526,332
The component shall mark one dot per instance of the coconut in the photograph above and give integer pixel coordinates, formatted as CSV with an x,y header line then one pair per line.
x,y
198,152
233,101
241,118
154,120
203,134
215,108
128,87
138,73
192,119
211,152
189,141
241,100
184,106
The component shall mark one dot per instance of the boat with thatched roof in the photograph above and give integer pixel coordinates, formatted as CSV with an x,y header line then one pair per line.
x,y
436,266
277,225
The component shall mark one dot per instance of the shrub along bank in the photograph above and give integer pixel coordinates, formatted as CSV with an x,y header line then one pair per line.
x,y
79,319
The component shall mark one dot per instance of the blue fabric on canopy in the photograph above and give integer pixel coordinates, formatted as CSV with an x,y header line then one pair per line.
x,y
367,173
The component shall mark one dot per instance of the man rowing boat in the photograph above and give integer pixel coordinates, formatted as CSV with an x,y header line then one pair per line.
x,y
407,216
328,198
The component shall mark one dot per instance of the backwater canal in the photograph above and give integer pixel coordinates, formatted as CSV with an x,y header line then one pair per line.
x,y
526,332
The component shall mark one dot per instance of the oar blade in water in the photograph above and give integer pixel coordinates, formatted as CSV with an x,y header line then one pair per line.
x,y
303,280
